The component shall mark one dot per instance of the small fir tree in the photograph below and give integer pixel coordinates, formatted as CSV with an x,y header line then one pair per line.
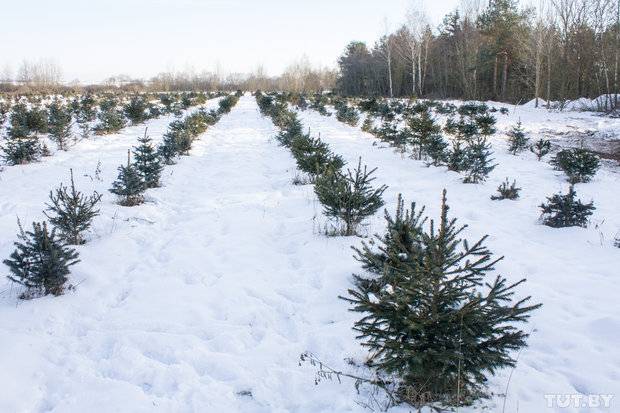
x,y
37,120
486,123
313,156
110,117
347,114
349,196
18,122
135,109
541,148
148,162
369,124
71,212
59,124
507,191
435,148
227,104
22,144
85,113
22,150
566,211
479,161
40,262
457,159
517,141
431,319
5,108
422,128
580,165
129,185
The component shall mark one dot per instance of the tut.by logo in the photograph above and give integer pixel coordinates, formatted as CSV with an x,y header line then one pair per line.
x,y
564,401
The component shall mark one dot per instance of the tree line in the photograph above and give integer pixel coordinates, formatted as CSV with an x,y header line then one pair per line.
x,y
557,50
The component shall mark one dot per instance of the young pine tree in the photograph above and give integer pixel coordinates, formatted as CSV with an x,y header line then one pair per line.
x,y
129,185
566,211
517,141
21,145
148,162
479,161
135,109
541,148
422,128
457,159
432,320
59,124
71,212
507,191
40,262
349,197
5,107
580,165
435,149
85,113
313,156
110,117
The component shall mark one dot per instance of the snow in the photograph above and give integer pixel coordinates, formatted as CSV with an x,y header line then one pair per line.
x,y
203,298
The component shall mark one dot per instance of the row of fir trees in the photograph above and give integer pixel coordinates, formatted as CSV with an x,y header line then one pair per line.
x,y
43,256
435,325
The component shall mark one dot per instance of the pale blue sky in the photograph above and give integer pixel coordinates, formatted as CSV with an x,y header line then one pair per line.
x,y
93,39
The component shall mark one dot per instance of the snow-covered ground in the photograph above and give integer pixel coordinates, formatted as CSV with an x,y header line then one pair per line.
x,y
573,348
203,298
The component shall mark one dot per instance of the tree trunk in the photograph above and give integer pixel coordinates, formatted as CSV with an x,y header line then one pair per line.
x,y
494,94
549,82
413,70
505,76
389,61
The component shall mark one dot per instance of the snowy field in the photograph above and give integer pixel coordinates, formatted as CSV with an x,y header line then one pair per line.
x,y
203,298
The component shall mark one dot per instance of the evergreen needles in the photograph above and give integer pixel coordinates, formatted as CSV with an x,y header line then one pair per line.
x,y
349,197
72,212
40,262
129,185
566,211
429,316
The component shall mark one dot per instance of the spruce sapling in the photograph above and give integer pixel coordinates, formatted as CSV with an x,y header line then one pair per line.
x,y
580,165
479,161
436,325
59,124
566,211
40,262
135,110
422,128
349,196
129,185
541,148
147,161
517,141
507,191
71,212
